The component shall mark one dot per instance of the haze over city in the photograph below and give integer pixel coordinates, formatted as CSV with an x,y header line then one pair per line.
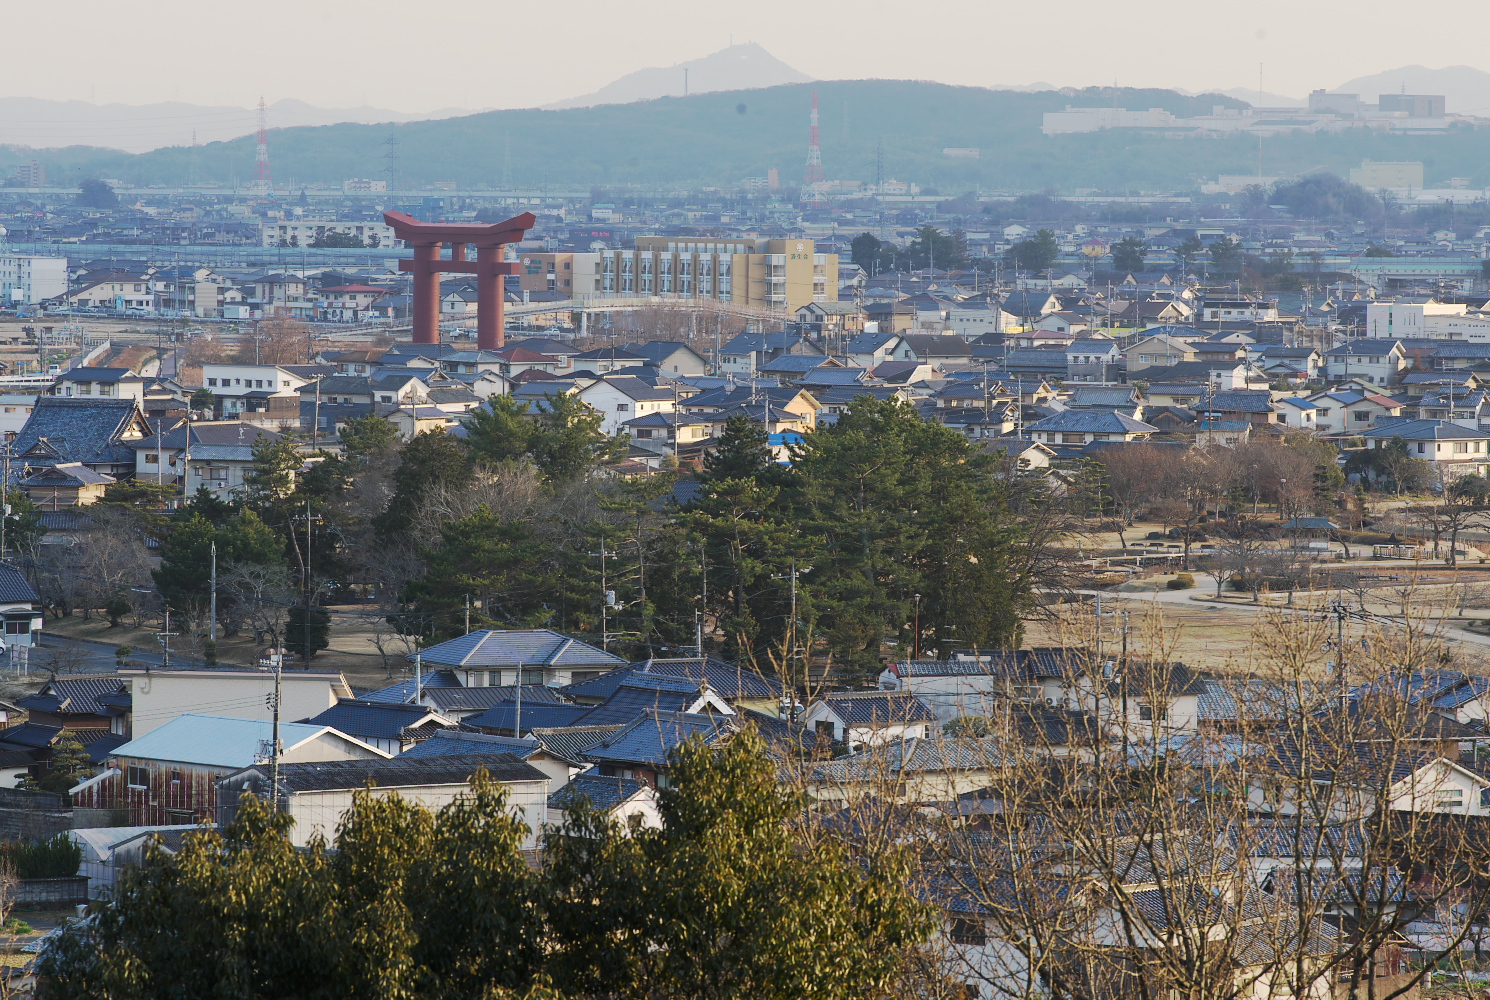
x,y
336,53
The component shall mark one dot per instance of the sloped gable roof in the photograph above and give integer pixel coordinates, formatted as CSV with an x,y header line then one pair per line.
x,y
512,647
90,431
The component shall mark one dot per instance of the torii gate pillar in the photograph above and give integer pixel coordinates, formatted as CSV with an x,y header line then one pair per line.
x,y
428,240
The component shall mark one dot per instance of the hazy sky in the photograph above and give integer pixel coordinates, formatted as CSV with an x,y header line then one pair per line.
x,y
497,53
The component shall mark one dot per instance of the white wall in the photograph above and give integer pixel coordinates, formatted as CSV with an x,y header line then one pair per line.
x,y
161,696
320,812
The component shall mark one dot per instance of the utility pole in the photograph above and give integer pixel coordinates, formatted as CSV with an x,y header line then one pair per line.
x,y
917,654
791,648
276,657
186,462
468,614
517,719
212,628
4,500
165,641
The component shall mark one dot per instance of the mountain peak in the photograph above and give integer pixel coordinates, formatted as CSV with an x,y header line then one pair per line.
x,y
746,66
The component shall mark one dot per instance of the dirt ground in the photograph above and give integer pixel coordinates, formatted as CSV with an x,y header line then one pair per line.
x,y
352,649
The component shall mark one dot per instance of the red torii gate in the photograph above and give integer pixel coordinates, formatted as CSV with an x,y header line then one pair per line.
x,y
428,238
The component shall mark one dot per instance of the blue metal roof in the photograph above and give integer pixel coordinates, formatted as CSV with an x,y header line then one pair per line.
x,y
215,740
371,719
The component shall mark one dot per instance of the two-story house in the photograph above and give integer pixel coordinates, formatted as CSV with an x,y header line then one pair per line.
x,y
103,383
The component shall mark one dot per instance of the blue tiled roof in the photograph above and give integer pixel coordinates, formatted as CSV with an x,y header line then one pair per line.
x,y
469,699
454,742
403,691
650,738
729,682
77,430
509,648
639,694
543,714
13,586
603,793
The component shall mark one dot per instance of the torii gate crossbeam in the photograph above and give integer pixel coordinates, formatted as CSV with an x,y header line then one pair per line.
x,y
428,239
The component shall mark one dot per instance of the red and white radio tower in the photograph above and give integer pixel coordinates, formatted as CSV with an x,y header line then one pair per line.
x,y
262,184
812,177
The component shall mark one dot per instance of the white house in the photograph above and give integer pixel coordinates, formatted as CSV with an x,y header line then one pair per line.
x,y
870,717
624,398
106,383
317,795
1452,450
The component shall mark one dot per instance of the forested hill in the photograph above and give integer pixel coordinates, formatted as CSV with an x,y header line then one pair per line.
x,y
716,138
721,138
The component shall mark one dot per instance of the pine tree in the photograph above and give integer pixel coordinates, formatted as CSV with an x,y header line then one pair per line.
x,y
743,452
500,430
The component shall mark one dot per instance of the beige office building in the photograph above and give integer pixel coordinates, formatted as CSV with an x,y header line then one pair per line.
x,y
767,274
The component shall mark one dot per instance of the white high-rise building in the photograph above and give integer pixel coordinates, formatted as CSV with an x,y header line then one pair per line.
x,y
26,279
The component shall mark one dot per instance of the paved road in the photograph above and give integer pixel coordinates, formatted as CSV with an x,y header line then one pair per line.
x,y
80,657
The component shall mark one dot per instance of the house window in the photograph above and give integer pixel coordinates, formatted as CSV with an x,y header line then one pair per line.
x,y
1451,797
968,932
1422,448
139,777
1149,713
176,776
824,727
385,399
152,458
212,381
622,407
18,626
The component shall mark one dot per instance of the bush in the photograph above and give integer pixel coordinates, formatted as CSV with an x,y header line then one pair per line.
x,y
55,857
1183,581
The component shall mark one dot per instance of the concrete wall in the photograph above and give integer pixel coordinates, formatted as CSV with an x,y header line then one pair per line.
x,y
161,696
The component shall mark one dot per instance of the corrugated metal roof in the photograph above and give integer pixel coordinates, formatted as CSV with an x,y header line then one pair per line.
x,y
216,740
404,772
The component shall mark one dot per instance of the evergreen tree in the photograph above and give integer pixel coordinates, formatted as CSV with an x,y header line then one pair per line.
x,y
743,452
1037,253
307,632
364,437
431,459
730,900
1127,254
567,441
68,765
494,560
500,430
184,575
724,901
269,482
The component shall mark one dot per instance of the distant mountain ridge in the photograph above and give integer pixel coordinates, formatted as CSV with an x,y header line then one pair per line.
x,y
41,123
900,126
746,66
1467,89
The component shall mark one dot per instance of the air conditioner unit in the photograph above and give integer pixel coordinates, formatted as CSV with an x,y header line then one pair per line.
x,y
1051,701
